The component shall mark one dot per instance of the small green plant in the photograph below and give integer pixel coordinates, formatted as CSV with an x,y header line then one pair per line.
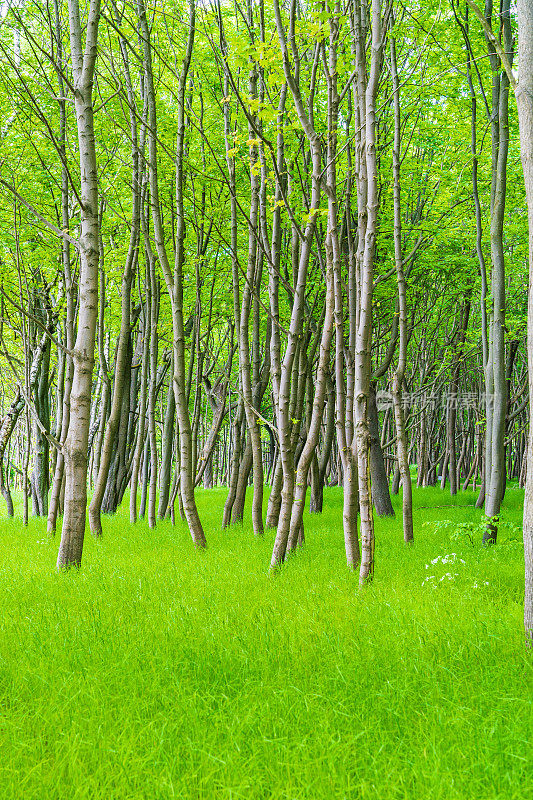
x,y
473,531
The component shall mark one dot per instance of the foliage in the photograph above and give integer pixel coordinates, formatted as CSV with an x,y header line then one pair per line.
x,y
473,531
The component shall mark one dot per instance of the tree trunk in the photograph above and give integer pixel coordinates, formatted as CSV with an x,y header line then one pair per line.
x,y
83,64
524,98
174,278
378,473
496,389
361,444
166,452
141,422
7,426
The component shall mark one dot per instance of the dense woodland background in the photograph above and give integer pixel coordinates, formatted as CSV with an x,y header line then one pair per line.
x,y
262,246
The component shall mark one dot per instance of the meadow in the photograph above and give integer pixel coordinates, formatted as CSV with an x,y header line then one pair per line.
x,y
161,672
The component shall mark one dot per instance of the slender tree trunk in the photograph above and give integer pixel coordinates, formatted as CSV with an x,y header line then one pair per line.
x,y
234,466
378,473
123,352
124,339
245,466
496,390
7,426
399,373
166,452
361,442
174,278
83,64
252,421
524,98
318,479
282,388
141,423
152,395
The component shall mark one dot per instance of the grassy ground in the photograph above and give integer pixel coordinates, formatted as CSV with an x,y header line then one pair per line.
x,y
159,672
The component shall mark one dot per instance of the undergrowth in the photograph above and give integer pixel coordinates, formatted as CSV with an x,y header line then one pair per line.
x,y
161,672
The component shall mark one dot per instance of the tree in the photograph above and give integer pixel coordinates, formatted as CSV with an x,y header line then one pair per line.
x,y
83,66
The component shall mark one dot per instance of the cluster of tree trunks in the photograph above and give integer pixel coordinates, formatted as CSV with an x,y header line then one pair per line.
x,y
285,385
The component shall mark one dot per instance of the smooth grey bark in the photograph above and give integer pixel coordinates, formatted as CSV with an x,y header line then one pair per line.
x,y
145,478
524,98
124,338
83,66
378,473
174,276
243,477
98,426
121,385
402,464
236,434
39,386
69,286
320,463
122,458
216,396
360,445
333,257
152,390
61,434
187,466
252,420
451,411
496,390
244,466
282,372
141,423
306,456
167,442
274,500
236,437
7,426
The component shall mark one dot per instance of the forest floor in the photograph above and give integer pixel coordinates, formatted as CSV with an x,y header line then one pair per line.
x,y
160,672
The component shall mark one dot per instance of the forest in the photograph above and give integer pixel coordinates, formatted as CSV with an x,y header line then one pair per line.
x,y
266,369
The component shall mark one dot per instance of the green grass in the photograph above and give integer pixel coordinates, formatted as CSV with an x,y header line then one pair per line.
x,y
159,672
